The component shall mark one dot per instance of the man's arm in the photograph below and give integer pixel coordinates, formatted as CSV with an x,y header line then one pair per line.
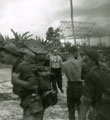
x,y
63,68
16,81
61,62
87,98
84,107
50,62
83,112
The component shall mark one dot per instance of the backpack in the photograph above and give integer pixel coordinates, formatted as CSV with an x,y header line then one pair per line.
x,y
42,75
49,97
18,90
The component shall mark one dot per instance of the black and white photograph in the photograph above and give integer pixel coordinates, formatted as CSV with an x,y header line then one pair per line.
x,y
54,60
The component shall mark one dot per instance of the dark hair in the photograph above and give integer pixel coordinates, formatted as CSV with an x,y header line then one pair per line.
x,y
92,55
73,49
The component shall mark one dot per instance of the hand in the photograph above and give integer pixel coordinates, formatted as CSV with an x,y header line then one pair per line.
x,y
15,76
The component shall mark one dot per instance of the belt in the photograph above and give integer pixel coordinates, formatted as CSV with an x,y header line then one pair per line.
x,y
55,68
74,82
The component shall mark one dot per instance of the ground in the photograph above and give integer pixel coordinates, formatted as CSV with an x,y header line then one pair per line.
x,y
9,103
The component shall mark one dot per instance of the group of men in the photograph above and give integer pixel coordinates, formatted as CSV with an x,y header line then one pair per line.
x,y
88,84
93,91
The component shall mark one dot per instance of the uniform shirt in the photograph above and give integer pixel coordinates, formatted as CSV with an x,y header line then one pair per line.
x,y
56,62
72,69
96,83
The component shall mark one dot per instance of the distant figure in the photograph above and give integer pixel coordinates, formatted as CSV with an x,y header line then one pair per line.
x,y
56,68
47,61
72,70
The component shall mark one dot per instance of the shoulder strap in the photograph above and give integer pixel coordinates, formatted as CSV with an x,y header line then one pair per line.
x,y
93,68
17,66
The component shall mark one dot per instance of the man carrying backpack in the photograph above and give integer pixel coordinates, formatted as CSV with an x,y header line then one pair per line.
x,y
26,81
26,86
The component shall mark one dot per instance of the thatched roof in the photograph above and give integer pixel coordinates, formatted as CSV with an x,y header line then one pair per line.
x,y
35,46
27,51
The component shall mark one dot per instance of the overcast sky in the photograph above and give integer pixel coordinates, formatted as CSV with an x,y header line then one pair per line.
x,y
37,15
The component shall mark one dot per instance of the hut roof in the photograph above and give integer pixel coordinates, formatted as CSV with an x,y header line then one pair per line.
x,y
35,46
27,51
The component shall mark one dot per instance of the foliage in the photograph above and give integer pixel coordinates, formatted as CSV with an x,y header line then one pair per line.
x,y
52,38
20,38
41,40
52,35
51,42
2,40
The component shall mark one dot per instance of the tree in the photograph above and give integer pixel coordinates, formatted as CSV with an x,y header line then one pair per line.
x,y
20,38
50,34
52,38
4,39
41,40
53,34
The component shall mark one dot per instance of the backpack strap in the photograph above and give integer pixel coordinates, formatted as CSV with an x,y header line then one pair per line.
x,y
93,68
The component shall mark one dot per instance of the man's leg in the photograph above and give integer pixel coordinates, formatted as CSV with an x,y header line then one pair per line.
x,y
78,103
70,103
59,79
78,93
54,80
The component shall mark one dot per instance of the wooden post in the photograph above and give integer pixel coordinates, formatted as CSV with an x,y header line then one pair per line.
x,y
109,40
88,39
72,21
100,42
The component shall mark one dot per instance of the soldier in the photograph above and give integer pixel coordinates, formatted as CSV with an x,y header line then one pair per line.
x,y
25,84
96,89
